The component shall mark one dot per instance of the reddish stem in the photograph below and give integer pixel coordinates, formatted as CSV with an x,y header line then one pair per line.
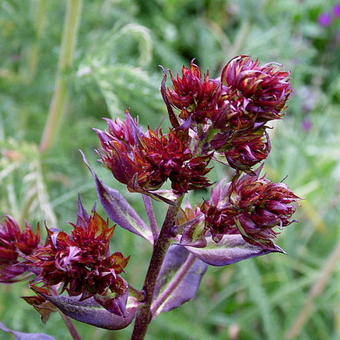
x,y
161,246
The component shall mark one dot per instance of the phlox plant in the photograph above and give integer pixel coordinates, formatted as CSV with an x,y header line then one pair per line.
x,y
221,120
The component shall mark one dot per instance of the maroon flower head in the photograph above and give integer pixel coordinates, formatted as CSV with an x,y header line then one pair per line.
x,y
170,157
146,161
220,212
254,205
247,148
219,220
127,130
196,95
266,87
15,245
119,144
81,262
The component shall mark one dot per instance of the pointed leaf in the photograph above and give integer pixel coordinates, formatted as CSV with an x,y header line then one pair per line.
x,y
91,312
118,208
26,336
178,280
231,249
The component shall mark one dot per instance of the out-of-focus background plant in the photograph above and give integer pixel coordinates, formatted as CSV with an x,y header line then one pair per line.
x,y
114,66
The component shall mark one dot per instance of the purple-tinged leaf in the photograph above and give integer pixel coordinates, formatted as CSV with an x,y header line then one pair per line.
x,y
231,249
150,211
178,280
91,312
118,208
26,336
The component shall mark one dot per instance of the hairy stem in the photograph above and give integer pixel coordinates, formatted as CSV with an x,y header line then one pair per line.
x,y
161,246
177,279
151,216
60,96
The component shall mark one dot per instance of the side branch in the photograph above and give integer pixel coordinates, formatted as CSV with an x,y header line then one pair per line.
x,y
173,284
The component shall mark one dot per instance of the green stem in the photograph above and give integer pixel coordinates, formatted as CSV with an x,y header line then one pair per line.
x,y
59,100
161,246
39,26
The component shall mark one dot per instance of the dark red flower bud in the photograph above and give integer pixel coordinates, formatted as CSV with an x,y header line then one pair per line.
x,y
220,219
170,157
246,148
144,163
266,87
254,205
81,261
196,95
15,245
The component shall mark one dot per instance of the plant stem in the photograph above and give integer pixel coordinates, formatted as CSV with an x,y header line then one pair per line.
x,y
60,96
177,279
71,327
39,26
151,215
161,246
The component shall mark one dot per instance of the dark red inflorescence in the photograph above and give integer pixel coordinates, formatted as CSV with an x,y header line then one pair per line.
x,y
15,245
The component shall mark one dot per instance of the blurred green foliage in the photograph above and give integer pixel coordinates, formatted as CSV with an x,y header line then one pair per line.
x,y
120,45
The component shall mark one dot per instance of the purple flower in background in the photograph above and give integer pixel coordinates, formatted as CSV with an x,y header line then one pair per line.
x,y
307,124
336,10
325,19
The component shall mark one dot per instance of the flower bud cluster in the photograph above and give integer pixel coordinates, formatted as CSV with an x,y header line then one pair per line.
x,y
228,117
229,113
144,161
81,262
252,206
15,246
